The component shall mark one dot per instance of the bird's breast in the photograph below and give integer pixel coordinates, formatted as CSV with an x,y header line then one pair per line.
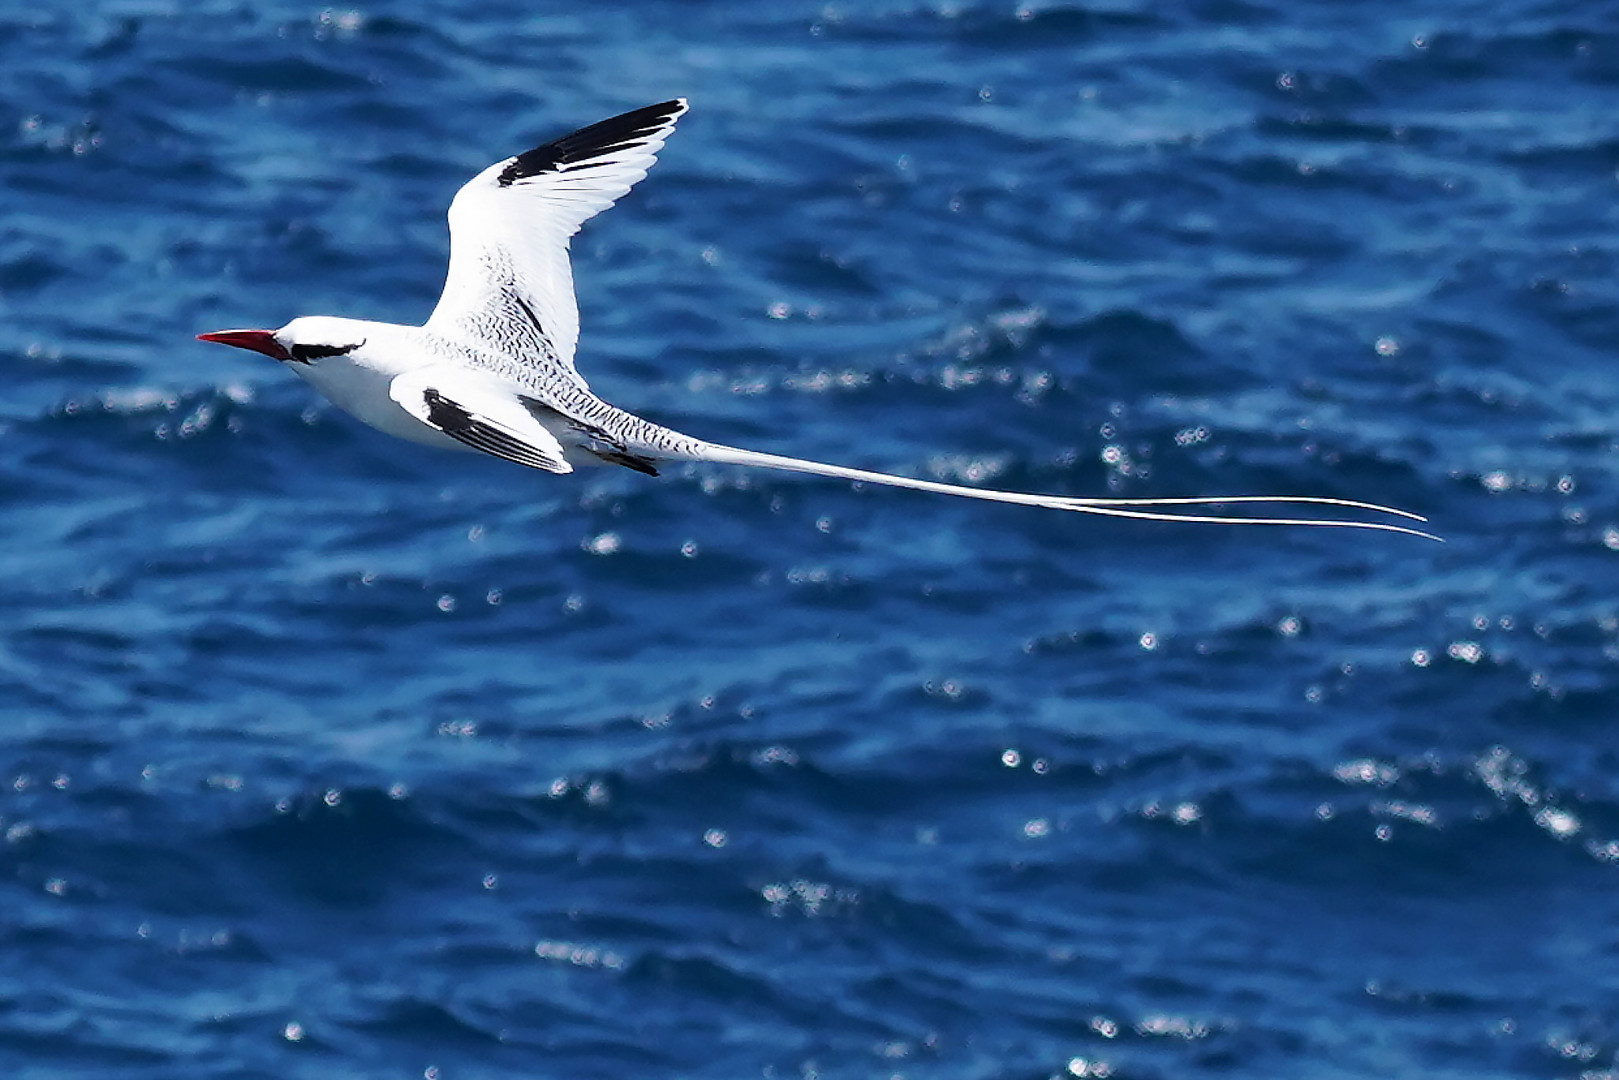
x,y
363,391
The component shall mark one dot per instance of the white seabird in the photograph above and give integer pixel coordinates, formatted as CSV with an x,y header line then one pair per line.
x,y
492,369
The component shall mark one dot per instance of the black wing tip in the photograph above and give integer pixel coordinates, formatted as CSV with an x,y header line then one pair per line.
x,y
614,133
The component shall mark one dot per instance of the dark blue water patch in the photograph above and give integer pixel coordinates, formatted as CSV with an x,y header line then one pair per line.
x,y
337,849
1583,52
28,269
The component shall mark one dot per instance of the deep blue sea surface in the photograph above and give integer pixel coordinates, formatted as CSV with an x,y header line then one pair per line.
x,y
324,755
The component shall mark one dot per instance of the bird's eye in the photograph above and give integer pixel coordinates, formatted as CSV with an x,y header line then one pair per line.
x,y
305,353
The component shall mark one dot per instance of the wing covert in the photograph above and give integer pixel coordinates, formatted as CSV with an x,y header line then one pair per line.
x,y
483,417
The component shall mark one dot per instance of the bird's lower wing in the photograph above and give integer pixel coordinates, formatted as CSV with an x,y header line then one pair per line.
x,y
484,416
1126,508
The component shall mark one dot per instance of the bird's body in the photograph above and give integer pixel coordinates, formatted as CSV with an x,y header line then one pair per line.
x,y
393,363
492,368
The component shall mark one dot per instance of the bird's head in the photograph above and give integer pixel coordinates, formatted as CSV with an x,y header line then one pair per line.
x,y
306,340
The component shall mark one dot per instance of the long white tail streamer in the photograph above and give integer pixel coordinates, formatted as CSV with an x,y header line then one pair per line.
x,y
1124,508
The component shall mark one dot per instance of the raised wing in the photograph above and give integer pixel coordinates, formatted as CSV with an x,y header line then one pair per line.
x,y
509,284
480,414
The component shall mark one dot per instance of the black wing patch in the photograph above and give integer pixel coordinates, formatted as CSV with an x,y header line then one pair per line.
x,y
533,319
616,133
458,423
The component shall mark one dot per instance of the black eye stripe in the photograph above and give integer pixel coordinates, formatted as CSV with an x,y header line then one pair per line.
x,y
305,353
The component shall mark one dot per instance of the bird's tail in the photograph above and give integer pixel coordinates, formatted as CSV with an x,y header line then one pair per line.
x,y
1144,509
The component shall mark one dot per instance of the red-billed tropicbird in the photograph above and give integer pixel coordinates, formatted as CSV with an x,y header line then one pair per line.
x,y
492,368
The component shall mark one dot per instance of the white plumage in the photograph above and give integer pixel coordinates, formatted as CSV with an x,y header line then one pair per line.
x,y
492,369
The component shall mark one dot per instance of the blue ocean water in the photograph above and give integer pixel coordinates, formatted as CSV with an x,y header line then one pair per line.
x,y
323,755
